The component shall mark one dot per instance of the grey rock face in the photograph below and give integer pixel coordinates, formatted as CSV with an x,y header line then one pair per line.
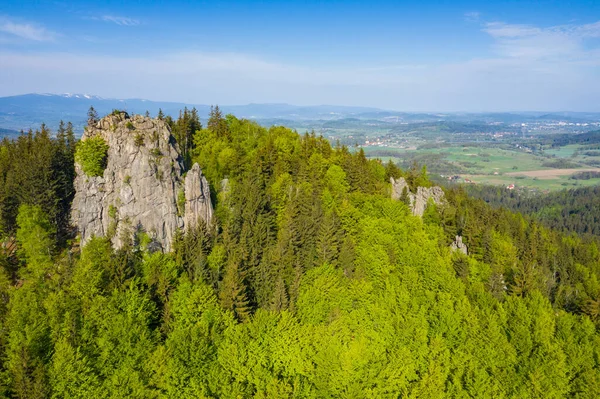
x,y
398,187
141,185
197,198
418,202
458,245
421,198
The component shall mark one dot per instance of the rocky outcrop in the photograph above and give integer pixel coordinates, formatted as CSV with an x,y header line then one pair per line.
x,y
458,245
417,201
197,198
399,187
142,188
421,198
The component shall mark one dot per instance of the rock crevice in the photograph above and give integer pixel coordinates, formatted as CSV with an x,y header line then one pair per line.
x,y
142,188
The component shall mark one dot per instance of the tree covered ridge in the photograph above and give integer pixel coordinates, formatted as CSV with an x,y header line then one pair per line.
x,y
567,210
311,283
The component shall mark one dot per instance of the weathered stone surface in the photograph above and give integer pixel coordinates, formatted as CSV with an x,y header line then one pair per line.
x,y
197,198
417,202
458,245
421,198
398,187
141,185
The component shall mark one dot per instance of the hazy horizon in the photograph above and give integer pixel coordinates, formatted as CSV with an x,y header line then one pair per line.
x,y
364,106
464,57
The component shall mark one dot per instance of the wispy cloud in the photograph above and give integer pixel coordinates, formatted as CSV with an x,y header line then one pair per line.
x,y
472,16
28,31
115,19
527,41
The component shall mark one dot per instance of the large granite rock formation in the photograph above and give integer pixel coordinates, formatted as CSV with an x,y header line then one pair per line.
x,y
417,201
142,188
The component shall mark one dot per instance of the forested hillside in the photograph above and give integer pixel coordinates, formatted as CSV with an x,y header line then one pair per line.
x,y
576,210
311,283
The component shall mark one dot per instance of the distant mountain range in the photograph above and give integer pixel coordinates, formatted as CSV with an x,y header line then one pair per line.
x,y
8,133
27,111
30,110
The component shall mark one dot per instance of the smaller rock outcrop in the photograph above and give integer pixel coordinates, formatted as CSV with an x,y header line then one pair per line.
x,y
459,245
421,199
399,188
417,201
197,198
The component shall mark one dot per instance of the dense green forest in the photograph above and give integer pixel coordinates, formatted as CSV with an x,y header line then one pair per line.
x,y
311,283
559,140
576,210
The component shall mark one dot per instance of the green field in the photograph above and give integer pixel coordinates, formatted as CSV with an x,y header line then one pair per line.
x,y
563,152
490,160
562,182
473,159
490,165
576,153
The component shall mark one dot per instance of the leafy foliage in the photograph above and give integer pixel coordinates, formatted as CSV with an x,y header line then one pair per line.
x,y
91,155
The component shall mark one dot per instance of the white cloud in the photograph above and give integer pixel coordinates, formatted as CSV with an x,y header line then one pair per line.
x,y
503,30
123,21
589,30
526,41
472,16
26,31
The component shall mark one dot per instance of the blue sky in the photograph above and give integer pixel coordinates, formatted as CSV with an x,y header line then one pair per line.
x,y
418,56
